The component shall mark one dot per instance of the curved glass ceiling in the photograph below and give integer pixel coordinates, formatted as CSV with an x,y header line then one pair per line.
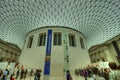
x,y
98,20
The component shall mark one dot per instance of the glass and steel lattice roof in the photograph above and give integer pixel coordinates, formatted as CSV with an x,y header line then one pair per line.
x,y
98,20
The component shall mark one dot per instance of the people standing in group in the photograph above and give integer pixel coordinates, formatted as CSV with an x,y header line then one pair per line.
x,y
37,74
85,73
96,76
88,71
1,74
11,77
101,72
115,73
31,72
5,73
17,73
77,72
106,74
22,74
25,73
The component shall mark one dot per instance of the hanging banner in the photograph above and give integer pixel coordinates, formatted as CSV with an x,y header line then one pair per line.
x,y
48,54
66,54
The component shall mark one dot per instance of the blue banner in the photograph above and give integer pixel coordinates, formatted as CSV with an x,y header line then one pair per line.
x,y
47,69
49,41
48,53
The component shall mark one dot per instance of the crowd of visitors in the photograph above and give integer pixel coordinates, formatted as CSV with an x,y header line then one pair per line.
x,y
93,73
4,74
19,74
112,73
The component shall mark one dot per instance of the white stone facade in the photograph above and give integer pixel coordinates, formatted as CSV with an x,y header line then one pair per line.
x,y
9,52
105,52
34,57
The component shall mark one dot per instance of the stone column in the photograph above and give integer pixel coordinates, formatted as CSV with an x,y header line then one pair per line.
x,y
3,55
18,56
108,55
6,55
94,57
15,58
99,55
1,50
11,56
102,56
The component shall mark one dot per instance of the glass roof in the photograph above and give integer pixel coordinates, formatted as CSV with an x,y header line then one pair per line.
x,y
98,20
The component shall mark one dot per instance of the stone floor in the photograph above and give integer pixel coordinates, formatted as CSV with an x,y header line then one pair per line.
x,y
74,78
